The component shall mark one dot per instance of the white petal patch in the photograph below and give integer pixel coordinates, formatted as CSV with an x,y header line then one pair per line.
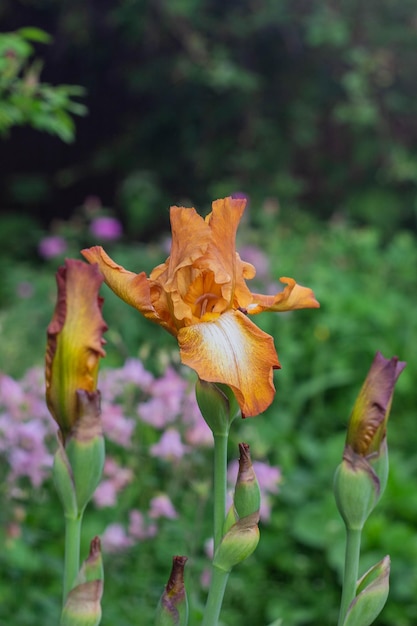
x,y
232,350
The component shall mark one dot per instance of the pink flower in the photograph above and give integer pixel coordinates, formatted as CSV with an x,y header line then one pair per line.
x,y
52,246
116,426
161,506
115,539
113,382
107,228
170,446
165,404
138,529
115,479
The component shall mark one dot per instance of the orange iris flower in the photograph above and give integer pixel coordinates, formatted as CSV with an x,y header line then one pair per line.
x,y
200,296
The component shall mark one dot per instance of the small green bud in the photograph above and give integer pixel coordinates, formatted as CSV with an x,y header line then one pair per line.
x,y
247,496
92,568
83,607
172,608
85,447
371,595
238,543
218,405
356,489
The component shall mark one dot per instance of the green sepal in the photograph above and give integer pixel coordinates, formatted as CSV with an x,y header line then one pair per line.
x,y
356,490
85,448
238,543
64,481
371,595
218,405
82,607
230,519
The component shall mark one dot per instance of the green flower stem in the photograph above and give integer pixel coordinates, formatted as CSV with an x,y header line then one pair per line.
x,y
220,485
72,552
215,597
218,577
350,576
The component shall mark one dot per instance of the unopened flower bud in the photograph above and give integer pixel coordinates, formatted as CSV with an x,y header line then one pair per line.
x,y
368,421
371,595
247,496
218,405
172,609
356,489
75,342
83,605
238,543
92,568
361,477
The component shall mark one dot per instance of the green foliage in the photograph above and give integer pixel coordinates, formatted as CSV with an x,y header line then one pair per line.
x,y
24,100
309,103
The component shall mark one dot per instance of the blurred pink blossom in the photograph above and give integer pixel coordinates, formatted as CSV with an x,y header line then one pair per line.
x,y
106,228
24,444
170,446
11,393
115,539
138,528
116,426
113,382
115,478
165,404
161,506
52,246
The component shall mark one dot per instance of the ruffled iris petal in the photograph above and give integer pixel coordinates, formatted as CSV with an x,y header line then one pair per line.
x,y
136,289
292,297
233,351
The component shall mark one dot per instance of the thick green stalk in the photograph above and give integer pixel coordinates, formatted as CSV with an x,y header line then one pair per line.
x,y
72,552
220,486
350,576
218,584
219,577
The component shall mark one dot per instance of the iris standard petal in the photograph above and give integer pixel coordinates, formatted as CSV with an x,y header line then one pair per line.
x,y
234,351
75,340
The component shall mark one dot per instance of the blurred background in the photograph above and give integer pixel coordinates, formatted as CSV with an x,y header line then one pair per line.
x,y
110,112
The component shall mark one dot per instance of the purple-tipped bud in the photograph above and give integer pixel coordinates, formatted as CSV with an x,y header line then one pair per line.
x,y
361,477
92,568
247,496
172,609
